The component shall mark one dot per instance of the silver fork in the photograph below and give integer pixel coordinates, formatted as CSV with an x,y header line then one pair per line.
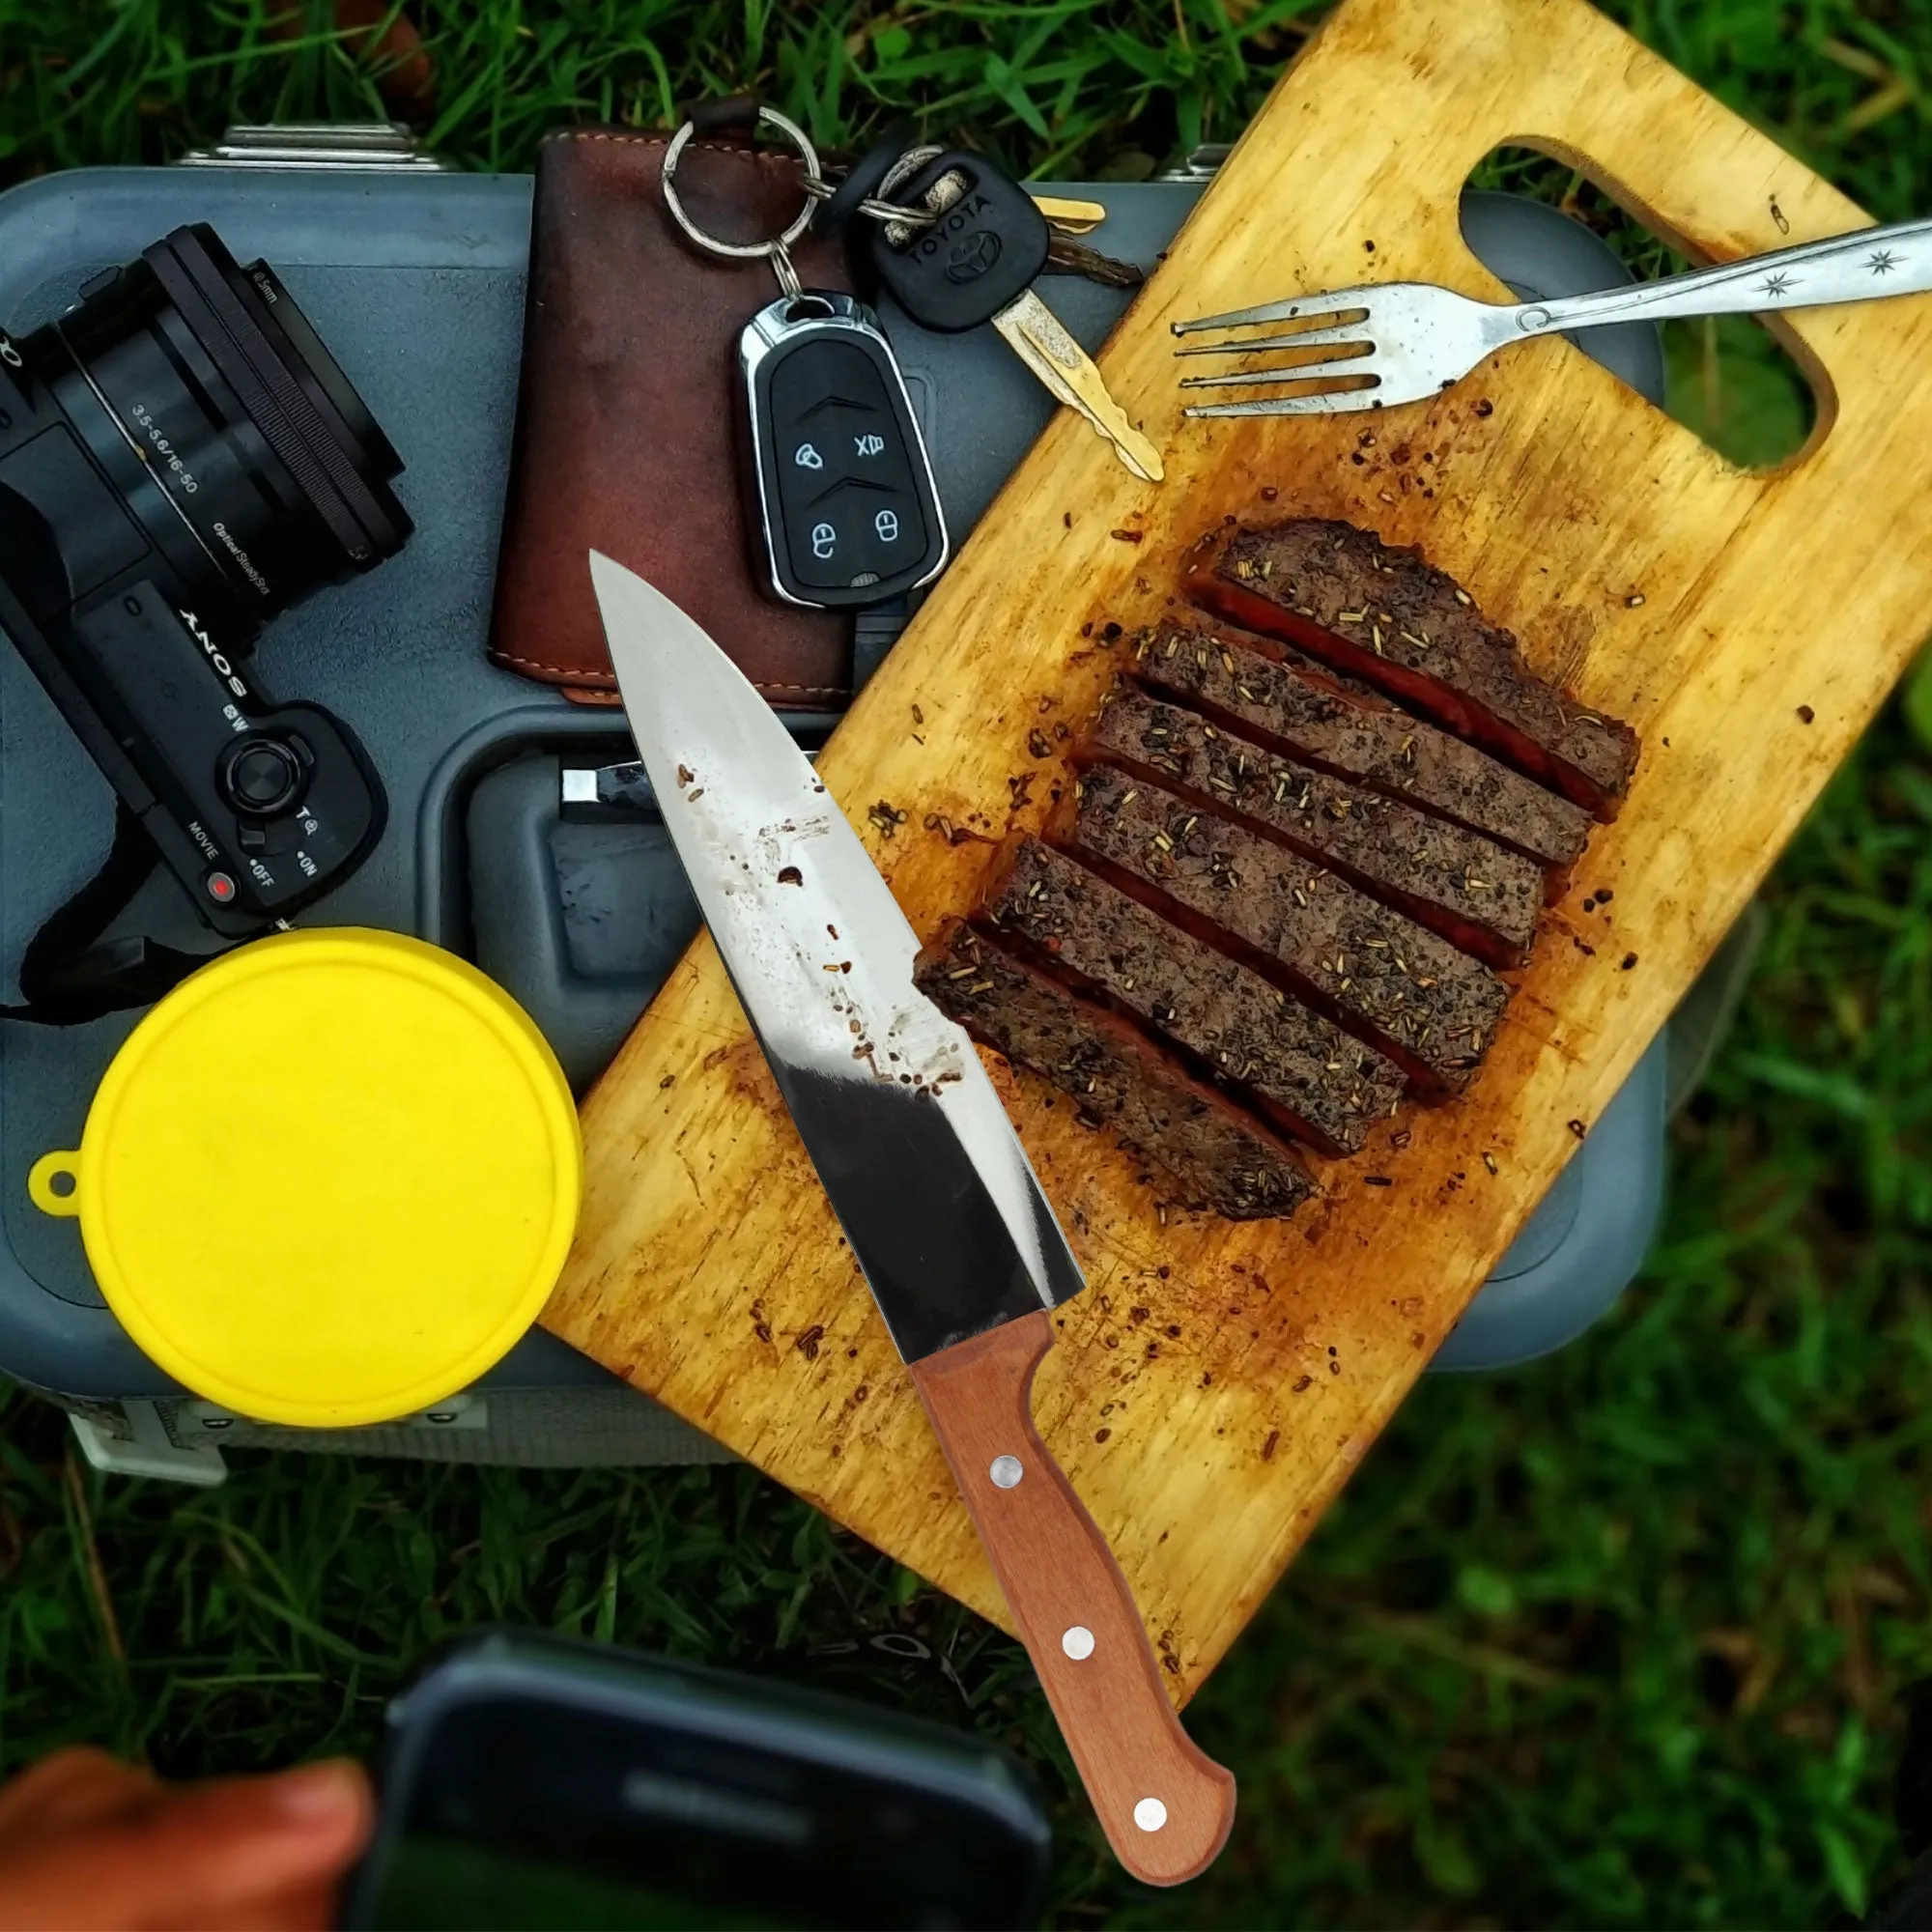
x,y
1409,340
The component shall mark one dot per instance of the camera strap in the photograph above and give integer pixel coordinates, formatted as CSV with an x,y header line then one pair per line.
x,y
69,975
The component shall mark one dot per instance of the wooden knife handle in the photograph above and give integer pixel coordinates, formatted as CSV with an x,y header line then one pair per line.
x,y
1165,1805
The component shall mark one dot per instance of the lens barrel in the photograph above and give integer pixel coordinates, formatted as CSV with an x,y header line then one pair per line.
x,y
250,442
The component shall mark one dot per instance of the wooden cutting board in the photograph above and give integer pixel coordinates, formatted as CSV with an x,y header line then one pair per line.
x,y
1216,1384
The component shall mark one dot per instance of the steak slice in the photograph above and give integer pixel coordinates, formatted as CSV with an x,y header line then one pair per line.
x,y
1410,995
1304,1072
1281,708
1219,1156
1385,615
1455,882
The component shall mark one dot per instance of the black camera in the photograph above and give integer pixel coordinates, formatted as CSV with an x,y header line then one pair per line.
x,y
179,459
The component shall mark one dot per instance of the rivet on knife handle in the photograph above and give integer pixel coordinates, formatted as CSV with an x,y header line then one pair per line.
x,y
1165,1805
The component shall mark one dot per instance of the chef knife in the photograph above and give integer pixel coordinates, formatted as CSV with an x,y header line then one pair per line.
x,y
929,1182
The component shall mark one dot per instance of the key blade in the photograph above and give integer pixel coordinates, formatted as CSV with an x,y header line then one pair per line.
x,y
1070,215
1040,340
923,1166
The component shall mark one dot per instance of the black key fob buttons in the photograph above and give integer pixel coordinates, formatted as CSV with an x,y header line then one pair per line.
x,y
847,514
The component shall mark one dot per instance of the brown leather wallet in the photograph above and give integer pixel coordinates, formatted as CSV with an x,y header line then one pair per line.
x,y
628,419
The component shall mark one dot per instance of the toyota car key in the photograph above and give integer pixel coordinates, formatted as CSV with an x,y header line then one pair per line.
x,y
843,498
977,263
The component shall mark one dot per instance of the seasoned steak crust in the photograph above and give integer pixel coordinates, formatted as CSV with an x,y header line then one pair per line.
x,y
1410,995
1281,706
1457,883
1389,617
1317,1083
1211,1152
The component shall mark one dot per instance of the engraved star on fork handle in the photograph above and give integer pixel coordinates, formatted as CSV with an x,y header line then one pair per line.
x,y
1863,265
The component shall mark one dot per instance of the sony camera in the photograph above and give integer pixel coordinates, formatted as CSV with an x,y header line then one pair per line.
x,y
179,459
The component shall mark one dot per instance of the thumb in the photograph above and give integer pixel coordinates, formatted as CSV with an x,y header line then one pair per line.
x,y
216,1845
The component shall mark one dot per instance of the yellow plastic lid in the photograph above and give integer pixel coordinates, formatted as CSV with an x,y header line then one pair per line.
x,y
328,1181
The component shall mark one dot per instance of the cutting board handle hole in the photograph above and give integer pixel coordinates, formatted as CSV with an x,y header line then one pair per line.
x,y
1753,392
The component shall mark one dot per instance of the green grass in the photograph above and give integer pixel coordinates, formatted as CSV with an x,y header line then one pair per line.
x,y
1614,1641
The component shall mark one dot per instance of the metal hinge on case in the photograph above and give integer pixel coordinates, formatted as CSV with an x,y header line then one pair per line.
x,y
1203,163
360,147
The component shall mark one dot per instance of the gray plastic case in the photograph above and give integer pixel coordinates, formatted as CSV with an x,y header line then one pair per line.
x,y
415,281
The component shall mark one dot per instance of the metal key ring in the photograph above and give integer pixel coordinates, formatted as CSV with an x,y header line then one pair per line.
x,y
876,205
879,211
775,249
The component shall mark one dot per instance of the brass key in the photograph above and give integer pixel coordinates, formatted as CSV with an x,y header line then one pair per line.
x,y
1040,340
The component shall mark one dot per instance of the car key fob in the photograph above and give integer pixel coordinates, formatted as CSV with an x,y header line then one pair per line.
x,y
847,514
983,250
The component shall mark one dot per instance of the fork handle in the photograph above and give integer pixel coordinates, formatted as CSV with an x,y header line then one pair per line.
x,y
1861,266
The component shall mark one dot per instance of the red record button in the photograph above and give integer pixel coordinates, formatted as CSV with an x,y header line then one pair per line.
x,y
222,887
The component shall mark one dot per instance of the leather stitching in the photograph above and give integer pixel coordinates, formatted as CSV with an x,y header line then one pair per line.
x,y
604,680
763,159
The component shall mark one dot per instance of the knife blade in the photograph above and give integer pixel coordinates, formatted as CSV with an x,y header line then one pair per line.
x,y
928,1179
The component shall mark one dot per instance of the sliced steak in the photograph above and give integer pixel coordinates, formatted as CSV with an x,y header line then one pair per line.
x,y
1281,706
1215,1153
1410,995
1385,615
1309,1076
1457,883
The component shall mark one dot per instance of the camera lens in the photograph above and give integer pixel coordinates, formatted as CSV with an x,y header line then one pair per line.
x,y
316,369
239,446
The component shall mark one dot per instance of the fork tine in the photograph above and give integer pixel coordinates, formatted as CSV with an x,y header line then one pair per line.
x,y
1304,338
1327,403
1302,372
1334,302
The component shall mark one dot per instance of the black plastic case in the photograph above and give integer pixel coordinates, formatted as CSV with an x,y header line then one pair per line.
x,y
415,282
